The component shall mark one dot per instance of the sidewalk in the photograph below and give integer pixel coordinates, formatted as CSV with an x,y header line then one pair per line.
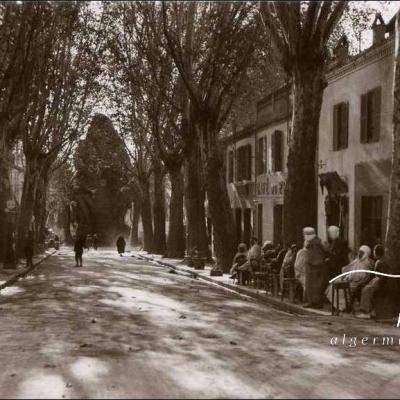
x,y
227,283
9,276
258,295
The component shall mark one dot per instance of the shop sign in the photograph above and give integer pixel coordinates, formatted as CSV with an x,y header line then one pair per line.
x,y
269,188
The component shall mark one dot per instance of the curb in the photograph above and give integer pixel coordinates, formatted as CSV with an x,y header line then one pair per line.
x,y
15,278
262,298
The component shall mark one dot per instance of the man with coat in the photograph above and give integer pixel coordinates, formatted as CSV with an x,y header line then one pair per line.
x,y
338,252
316,277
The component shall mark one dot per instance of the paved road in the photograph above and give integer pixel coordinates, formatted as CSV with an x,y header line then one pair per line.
x,y
120,328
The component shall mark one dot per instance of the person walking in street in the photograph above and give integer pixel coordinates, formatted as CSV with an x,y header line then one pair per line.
x,y
316,277
121,245
95,241
338,252
29,249
89,241
78,249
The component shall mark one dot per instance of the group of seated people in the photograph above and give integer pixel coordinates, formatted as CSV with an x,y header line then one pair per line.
x,y
314,265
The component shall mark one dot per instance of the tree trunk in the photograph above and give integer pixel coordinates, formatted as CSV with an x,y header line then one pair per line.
x,y
393,230
135,215
217,195
5,192
40,212
194,203
387,303
147,220
300,198
176,236
27,202
67,225
159,240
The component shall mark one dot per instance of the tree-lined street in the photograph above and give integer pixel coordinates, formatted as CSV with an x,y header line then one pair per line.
x,y
122,328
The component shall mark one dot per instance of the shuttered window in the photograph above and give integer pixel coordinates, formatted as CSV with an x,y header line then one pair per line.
x,y
262,155
340,126
371,115
371,220
230,166
244,163
277,151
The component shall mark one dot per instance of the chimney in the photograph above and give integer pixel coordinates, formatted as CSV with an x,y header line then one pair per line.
x,y
341,51
378,29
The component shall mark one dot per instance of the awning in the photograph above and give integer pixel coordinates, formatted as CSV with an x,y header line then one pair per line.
x,y
333,183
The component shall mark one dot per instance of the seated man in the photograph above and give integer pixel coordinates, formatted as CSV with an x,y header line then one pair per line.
x,y
357,280
248,268
239,259
377,282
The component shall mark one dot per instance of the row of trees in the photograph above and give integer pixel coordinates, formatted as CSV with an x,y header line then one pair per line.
x,y
171,74
176,71
47,74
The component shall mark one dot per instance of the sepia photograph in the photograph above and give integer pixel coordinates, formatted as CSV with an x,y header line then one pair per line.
x,y
199,199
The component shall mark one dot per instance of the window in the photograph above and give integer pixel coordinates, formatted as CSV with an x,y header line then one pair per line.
x,y
262,156
277,151
230,166
371,116
340,126
243,163
371,220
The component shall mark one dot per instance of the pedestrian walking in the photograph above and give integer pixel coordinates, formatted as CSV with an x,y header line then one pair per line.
x,y
28,249
121,245
89,241
78,248
95,241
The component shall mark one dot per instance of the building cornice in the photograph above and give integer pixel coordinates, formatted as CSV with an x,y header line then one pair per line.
x,y
369,56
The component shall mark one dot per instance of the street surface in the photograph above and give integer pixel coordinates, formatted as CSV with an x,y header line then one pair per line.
x,y
123,328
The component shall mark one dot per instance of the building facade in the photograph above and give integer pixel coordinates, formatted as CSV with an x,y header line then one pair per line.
x,y
354,151
256,170
355,144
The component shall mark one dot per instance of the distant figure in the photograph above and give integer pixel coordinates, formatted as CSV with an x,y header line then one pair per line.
x,y
95,241
78,248
28,249
89,241
56,242
121,245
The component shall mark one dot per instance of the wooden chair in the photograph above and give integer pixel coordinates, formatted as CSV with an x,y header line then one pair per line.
x,y
345,287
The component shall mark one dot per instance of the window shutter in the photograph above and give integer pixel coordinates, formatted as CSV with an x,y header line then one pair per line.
x,y
364,119
237,165
249,160
273,151
344,131
376,116
265,155
278,150
335,126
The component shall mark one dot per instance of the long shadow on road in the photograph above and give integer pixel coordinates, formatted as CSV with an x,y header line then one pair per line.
x,y
120,328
